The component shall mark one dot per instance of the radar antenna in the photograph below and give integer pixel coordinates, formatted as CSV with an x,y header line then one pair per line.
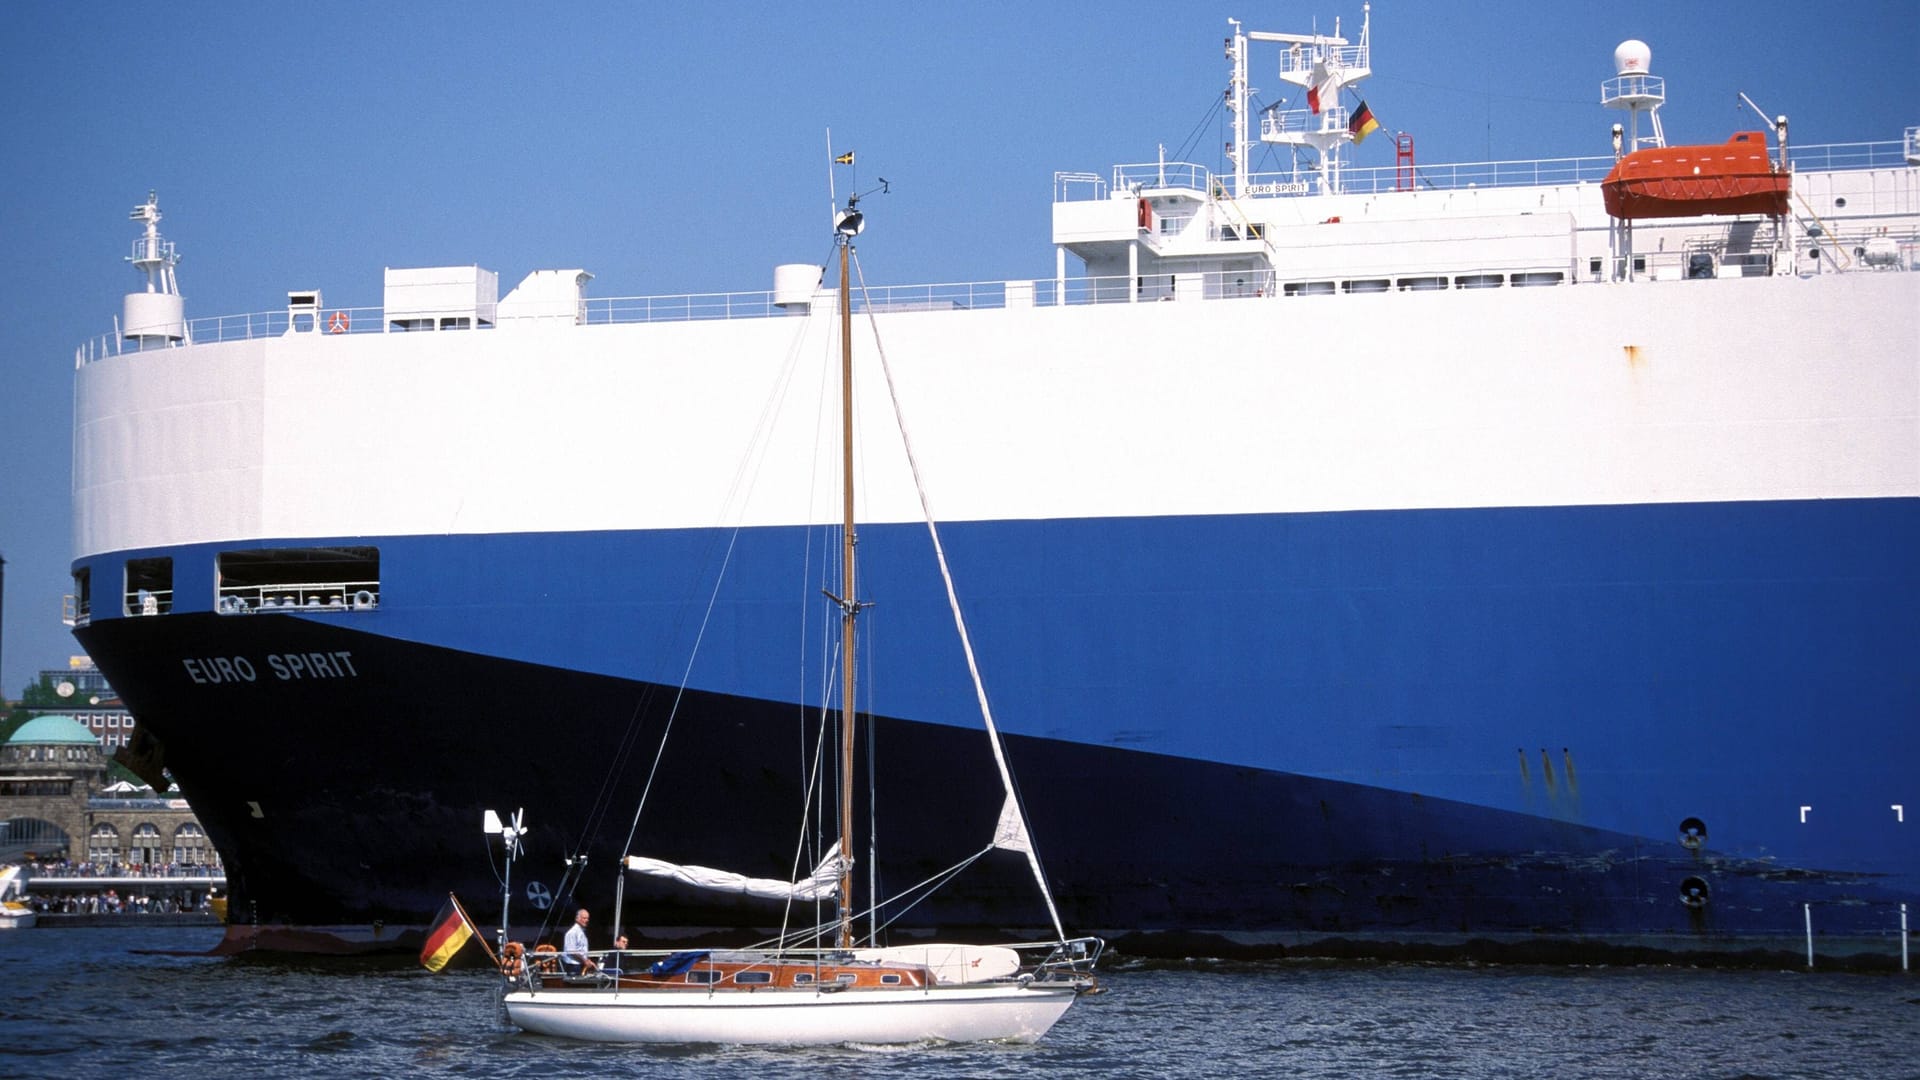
x,y
1637,90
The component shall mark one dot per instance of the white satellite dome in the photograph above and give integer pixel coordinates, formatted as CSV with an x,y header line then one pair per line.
x,y
1632,57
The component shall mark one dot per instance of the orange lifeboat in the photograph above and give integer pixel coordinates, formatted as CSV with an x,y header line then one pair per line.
x,y
1735,177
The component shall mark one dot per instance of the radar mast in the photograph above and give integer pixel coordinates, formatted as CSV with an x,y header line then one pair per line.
x,y
156,316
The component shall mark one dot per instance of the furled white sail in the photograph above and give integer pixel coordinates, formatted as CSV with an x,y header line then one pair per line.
x,y
822,884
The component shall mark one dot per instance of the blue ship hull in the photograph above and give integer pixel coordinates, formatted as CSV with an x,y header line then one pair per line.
x,y
1552,732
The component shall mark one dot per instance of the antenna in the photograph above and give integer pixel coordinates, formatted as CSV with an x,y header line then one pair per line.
x,y
833,197
510,839
1635,89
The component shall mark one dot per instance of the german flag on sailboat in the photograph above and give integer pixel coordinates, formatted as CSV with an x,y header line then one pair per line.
x,y
451,932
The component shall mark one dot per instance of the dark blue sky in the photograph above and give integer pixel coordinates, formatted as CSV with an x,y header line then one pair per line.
x,y
675,148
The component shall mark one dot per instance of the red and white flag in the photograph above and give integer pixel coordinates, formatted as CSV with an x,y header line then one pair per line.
x,y
1321,87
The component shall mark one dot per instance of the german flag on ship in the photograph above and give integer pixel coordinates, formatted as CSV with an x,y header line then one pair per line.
x,y
450,933
1363,124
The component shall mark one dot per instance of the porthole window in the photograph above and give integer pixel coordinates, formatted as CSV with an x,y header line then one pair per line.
x,y
1693,832
1694,892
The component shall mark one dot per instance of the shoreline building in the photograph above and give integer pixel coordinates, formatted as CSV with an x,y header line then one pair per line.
x,y
55,804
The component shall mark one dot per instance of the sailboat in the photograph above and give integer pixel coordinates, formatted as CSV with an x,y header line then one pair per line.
x,y
785,992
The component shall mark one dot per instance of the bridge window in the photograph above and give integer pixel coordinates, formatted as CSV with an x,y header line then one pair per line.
x,y
37,837
145,847
23,788
149,586
103,844
190,845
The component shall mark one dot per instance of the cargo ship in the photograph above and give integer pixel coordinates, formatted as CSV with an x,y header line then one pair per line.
x,y
1512,559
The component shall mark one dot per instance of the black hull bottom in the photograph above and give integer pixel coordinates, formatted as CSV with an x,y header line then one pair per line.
x,y
346,805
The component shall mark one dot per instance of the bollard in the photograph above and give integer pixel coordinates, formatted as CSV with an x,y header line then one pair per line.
x,y
1808,909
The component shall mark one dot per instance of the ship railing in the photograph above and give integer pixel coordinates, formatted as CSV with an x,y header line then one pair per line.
x,y
302,597
691,308
1163,175
1338,56
149,601
1281,122
1044,961
74,610
1364,180
1856,155
1078,187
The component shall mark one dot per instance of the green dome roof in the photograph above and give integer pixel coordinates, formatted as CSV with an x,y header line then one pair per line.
x,y
51,729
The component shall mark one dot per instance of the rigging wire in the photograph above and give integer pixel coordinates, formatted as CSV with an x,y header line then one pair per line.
x,y
734,504
959,620
1193,137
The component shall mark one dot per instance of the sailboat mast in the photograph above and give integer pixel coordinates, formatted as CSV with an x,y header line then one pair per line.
x,y
849,607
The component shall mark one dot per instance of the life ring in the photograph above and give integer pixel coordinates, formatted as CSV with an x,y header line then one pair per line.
x,y
1145,215
338,322
510,959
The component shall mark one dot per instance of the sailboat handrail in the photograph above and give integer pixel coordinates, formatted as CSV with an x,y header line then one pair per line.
x,y
959,619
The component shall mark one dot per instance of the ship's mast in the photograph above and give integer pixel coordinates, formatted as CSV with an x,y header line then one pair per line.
x,y
1237,93
155,316
846,227
1320,65
1638,91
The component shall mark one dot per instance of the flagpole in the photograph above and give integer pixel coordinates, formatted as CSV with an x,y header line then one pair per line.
x,y
477,935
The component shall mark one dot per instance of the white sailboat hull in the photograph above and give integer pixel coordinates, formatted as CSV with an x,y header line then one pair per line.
x,y
1004,1012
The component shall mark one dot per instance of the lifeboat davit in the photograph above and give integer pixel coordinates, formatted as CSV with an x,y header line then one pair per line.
x,y
1735,177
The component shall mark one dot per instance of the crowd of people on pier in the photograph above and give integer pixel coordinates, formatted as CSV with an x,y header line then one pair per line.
x,y
168,891
61,868
110,902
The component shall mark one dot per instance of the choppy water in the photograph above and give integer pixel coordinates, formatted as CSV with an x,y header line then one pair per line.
x,y
81,1003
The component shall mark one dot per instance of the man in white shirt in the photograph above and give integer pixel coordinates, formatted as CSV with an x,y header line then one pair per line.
x,y
574,947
